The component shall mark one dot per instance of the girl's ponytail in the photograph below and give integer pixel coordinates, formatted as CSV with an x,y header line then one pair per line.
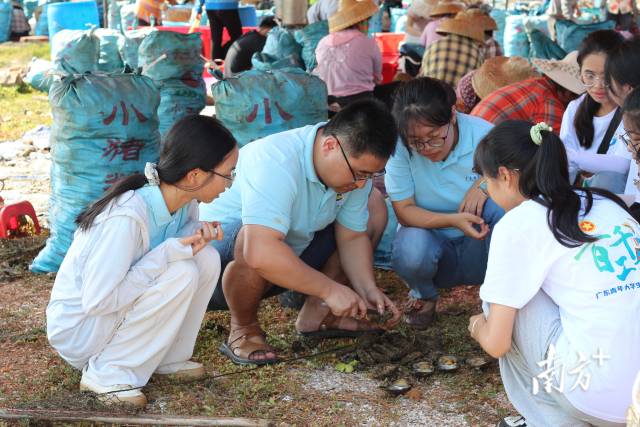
x,y
539,157
557,194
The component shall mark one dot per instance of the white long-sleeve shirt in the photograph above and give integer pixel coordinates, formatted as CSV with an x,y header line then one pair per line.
x,y
588,159
105,270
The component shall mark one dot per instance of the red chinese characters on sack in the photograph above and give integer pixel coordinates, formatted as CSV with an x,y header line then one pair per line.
x,y
129,149
125,115
267,112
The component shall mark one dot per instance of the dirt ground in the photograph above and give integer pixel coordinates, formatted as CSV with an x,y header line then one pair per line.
x,y
307,389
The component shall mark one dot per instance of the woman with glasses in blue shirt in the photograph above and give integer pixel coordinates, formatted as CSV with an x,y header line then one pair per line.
x,y
445,217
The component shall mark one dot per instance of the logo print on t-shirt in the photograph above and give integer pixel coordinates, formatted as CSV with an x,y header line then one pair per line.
x,y
587,226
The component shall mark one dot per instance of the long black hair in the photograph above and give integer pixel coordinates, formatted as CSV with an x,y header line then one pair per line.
x,y
544,176
631,108
598,42
632,103
623,64
193,142
422,100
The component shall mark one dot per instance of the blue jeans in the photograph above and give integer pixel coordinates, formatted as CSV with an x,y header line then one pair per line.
x,y
427,259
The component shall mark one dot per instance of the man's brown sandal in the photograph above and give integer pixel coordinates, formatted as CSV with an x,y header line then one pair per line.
x,y
240,346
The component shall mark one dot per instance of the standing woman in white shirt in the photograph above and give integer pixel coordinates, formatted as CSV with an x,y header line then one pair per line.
x,y
133,288
591,122
562,288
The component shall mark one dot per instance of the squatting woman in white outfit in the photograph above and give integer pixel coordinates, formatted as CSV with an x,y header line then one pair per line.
x,y
133,288
562,285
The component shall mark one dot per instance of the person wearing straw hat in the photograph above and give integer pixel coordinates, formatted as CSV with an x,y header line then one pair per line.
x,y
492,75
443,10
540,99
418,17
499,72
489,25
349,62
457,53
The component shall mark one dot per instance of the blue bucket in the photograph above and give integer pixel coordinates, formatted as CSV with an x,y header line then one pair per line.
x,y
248,16
72,16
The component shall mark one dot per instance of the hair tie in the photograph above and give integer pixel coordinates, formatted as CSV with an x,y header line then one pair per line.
x,y
151,173
536,132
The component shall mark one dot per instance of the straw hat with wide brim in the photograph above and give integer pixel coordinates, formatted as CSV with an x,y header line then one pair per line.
x,y
462,27
350,12
447,8
480,18
499,72
565,72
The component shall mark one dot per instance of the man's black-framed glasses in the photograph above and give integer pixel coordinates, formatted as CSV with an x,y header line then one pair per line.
x,y
358,177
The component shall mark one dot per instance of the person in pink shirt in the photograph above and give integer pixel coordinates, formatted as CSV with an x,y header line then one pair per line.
x,y
349,62
444,9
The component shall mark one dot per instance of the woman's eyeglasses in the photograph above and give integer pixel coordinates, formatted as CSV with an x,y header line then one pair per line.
x,y
433,142
591,80
230,178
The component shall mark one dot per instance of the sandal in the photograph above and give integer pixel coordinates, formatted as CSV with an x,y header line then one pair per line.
x,y
330,328
240,339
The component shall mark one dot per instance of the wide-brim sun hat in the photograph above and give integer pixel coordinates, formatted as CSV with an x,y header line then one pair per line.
x,y
565,72
499,72
462,27
480,18
447,8
422,8
351,12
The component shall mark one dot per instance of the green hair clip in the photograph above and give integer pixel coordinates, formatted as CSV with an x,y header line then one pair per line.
x,y
536,130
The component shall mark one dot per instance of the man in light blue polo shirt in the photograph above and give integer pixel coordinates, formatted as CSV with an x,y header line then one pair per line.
x,y
445,217
299,196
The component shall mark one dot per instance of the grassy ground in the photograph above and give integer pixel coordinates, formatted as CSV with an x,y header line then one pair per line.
x,y
32,376
21,108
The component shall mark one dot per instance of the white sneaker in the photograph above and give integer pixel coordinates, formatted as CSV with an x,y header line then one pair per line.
x,y
182,370
114,394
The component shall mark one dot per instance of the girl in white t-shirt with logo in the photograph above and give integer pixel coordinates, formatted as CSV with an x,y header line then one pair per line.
x,y
591,122
562,287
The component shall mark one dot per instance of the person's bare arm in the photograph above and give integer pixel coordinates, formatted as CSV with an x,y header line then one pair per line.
x,y
411,215
356,258
495,333
265,251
